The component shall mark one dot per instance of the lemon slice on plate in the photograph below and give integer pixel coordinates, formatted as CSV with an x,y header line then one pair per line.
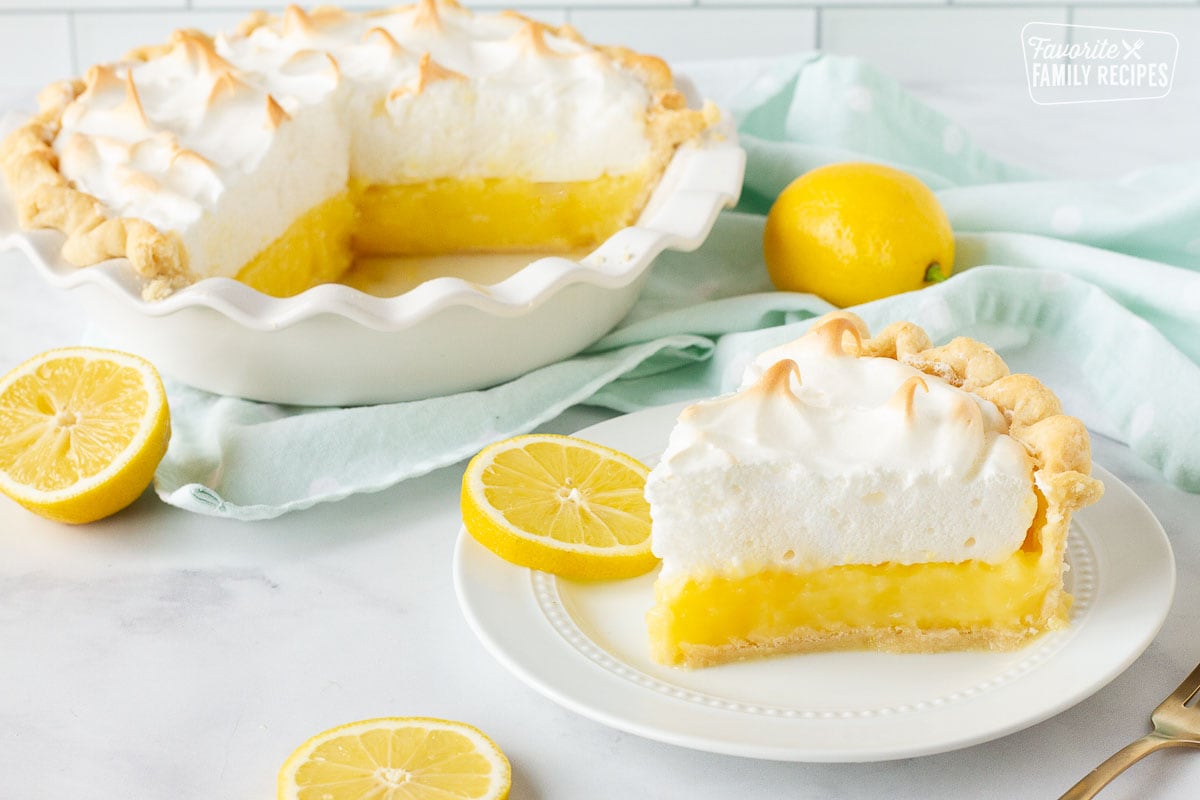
x,y
397,758
81,432
560,504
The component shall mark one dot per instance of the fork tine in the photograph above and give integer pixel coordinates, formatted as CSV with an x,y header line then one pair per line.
x,y
1186,690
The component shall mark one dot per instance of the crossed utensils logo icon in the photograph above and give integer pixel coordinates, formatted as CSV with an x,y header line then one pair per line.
x,y
1132,49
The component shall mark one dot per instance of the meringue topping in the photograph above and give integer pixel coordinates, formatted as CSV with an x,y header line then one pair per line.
x,y
838,459
406,95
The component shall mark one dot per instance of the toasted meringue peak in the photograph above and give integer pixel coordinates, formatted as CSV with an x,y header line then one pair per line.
x,y
429,71
778,378
276,116
337,70
191,157
832,332
570,33
296,21
969,414
530,38
379,34
226,84
426,16
132,103
300,60
256,20
199,50
904,396
140,181
102,78
326,15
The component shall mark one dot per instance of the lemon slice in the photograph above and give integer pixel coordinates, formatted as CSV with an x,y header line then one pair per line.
x,y
561,505
81,432
397,758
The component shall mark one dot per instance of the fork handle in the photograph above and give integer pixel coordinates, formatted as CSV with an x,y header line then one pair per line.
x,y
1117,763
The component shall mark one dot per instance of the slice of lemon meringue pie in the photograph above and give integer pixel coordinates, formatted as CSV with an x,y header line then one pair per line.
x,y
863,492
276,154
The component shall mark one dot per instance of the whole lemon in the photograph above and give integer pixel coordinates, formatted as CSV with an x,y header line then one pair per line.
x,y
853,232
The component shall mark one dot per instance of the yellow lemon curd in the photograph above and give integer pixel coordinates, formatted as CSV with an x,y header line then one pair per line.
x,y
888,606
483,215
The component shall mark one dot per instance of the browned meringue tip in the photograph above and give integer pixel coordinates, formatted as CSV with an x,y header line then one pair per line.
x,y
429,71
903,397
426,15
183,154
777,379
301,55
276,116
571,33
132,103
383,35
199,50
101,77
337,69
295,20
967,412
531,38
832,332
136,179
227,83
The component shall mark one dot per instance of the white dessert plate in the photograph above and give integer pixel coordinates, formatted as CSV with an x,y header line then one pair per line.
x,y
583,645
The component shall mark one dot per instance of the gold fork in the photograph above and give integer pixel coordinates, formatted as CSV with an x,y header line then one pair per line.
x,y
1176,724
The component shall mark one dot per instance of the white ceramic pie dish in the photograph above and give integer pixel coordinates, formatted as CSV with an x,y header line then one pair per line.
x,y
336,345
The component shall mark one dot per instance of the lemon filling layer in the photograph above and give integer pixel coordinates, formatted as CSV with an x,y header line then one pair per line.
x,y
442,216
780,610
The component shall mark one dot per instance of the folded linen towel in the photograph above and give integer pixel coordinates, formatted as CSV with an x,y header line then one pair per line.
x,y
1092,286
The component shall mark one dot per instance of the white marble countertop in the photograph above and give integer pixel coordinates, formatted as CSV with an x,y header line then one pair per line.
x,y
160,654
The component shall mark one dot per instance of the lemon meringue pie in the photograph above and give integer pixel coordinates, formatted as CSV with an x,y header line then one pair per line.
x,y
863,492
278,153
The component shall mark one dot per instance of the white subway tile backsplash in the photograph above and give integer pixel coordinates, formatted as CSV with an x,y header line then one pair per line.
x,y
936,45
701,33
108,36
481,4
1184,23
917,41
814,3
72,5
35,49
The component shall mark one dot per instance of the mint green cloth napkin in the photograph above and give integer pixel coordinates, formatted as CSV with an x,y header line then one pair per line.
x,y
1091,286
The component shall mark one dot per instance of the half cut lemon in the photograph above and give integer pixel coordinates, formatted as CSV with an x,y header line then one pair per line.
x,y
81,432
560,504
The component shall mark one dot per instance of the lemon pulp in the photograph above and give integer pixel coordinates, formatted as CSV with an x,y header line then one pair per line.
x,y
560,505
398,758
81,432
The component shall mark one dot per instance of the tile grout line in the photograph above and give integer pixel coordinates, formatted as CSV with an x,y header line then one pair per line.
x,y
73,42
1125,5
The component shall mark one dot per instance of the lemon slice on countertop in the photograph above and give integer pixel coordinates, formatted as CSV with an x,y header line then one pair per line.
x,y
397,758
81,432
561,505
